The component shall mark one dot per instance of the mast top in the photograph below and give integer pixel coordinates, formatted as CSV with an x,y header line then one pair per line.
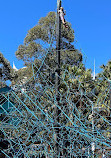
x,y
58,3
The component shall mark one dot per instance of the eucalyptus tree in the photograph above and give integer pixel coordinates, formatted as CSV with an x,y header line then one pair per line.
x,y
40,44
39,55
42,36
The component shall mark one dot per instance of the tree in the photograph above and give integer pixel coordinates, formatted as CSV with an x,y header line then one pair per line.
x,y
101,104
6,71
103,90
42,36
40,44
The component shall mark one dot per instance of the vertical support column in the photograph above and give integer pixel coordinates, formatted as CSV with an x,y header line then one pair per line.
x,y
58,47
58,36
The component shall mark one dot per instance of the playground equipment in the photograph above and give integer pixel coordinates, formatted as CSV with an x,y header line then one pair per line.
x,y
55,119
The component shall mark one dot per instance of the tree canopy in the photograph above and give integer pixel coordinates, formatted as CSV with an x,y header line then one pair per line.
x,y
6,71
41,36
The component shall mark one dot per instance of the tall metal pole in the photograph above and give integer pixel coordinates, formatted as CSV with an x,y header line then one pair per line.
x,y
58,47
58,33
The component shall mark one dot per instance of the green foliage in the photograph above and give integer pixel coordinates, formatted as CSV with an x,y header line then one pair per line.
x,y
41,36
106,71
6,71
102,98
104,86
36,44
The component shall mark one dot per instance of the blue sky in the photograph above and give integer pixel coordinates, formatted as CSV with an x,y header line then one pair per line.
x,y
91,21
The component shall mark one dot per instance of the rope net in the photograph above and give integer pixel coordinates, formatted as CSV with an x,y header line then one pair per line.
x,y
30,125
